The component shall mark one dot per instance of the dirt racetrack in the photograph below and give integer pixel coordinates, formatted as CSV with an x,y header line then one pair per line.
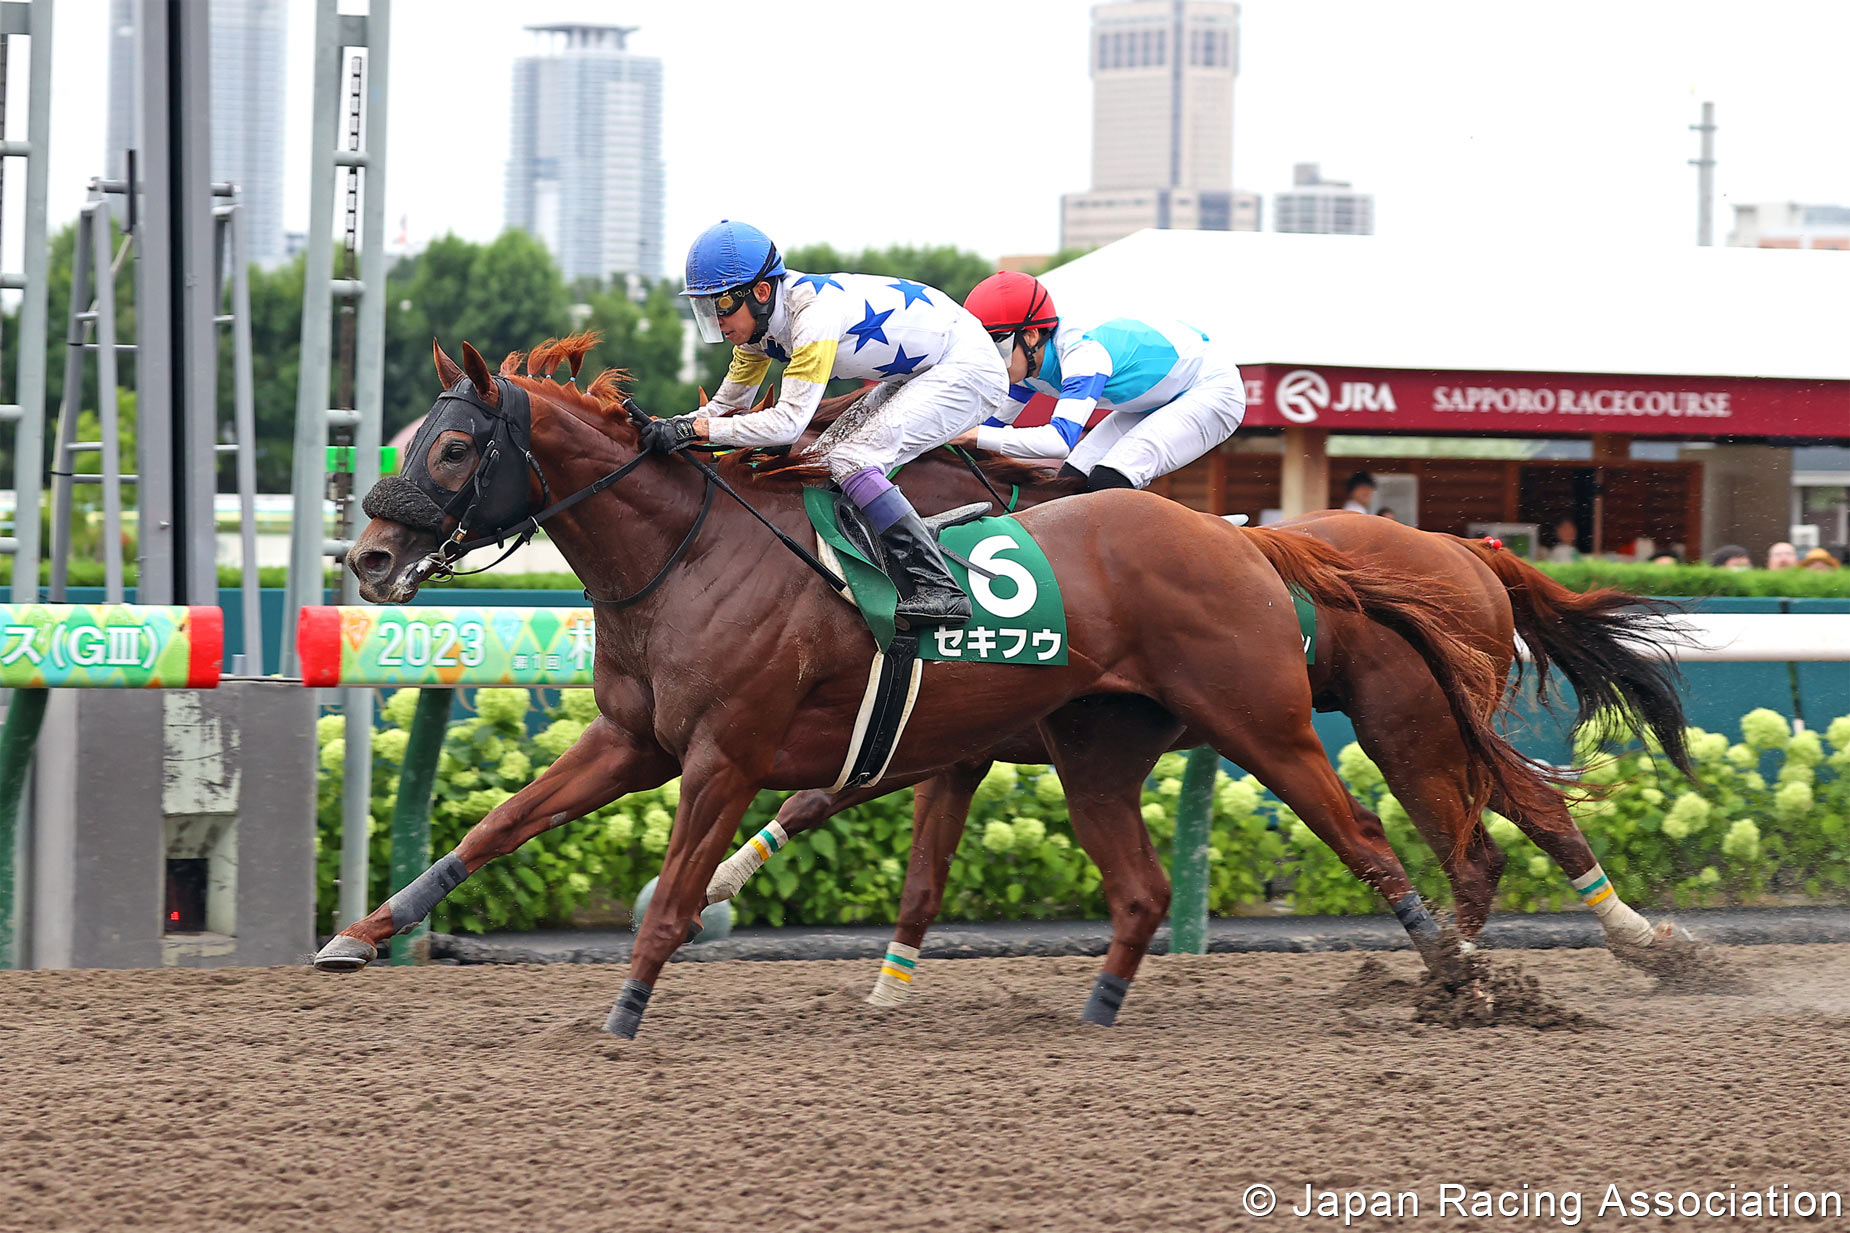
x,y
767,1096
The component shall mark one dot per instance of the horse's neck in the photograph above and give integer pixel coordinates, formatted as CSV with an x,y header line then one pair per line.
x,y
619,541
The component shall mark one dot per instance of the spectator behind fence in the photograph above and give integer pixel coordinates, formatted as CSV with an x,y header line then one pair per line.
x,y
1731,556
1567,542
1666,558
1782,556
1361,490
1819,559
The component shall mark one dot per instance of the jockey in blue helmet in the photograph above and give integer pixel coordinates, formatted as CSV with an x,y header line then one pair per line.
x,y
938,372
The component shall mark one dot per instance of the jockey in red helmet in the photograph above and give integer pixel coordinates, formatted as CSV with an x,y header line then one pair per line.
x,y
1172,396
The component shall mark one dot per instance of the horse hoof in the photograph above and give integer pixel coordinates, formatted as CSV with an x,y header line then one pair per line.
x,y
625,1017
345,953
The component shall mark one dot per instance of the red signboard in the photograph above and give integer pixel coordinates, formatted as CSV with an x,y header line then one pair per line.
x,y
1543,404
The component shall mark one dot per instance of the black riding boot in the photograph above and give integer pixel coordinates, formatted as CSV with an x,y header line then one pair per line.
x,y
928,595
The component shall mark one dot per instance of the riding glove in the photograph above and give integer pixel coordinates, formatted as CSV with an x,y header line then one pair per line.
x,y
669,436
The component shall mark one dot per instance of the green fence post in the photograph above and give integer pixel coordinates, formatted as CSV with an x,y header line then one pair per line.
x,y
1188,906
23,718
411,813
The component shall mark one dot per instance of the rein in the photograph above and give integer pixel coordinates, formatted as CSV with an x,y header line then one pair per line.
x,y
437,563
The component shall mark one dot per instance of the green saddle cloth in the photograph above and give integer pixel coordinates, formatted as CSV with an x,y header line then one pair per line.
x,y
1019,615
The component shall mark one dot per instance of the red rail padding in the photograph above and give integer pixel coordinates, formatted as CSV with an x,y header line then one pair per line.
x,y
205,634
317,646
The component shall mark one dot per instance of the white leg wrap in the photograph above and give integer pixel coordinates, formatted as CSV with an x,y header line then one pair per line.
x,y
730,877
1619,921
895,979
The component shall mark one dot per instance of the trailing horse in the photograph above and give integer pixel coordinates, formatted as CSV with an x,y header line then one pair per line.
x,y
740,669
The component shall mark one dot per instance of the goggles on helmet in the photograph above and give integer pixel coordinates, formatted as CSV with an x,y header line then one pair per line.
x,y
709,309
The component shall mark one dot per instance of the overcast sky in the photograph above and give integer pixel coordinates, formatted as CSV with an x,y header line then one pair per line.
x,y
962,121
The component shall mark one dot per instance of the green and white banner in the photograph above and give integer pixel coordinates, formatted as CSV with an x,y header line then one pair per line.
x,y
357,645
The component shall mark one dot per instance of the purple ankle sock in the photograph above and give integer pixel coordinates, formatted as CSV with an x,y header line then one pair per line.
x,y
877,497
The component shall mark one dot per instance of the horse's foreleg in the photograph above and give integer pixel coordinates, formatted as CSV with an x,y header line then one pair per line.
x,y
714,796
604,764
804,811
940,807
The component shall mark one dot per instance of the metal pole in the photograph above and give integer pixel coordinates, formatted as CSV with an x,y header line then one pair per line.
x,y
107,417
195,285
1188,906
1705,178
23,719
244,428
68,409
157,324
29,385
411,815
309,481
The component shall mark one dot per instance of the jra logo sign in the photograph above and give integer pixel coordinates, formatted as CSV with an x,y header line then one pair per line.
x,y
1302,393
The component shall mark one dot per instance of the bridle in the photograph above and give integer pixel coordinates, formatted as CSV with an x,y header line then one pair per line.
x,y
507,434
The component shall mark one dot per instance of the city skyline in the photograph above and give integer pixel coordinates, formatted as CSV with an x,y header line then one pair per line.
x,y
584,163
1428,106
249,69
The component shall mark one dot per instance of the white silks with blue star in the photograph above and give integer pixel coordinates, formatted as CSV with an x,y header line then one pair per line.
x,y
864,327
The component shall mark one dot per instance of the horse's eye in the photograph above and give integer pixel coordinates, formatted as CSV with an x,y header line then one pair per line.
x,y
454,451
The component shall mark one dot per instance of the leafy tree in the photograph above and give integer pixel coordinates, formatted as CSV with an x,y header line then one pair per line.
x,y
951,270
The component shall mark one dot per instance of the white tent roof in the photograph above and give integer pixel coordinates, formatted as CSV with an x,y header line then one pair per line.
x,y
1369,302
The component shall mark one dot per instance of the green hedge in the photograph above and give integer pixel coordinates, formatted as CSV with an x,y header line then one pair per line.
x,y
1667,580
1695,580
1770,819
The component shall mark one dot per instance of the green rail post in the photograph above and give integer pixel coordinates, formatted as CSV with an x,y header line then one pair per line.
x,y
411,813
23,719
1188,906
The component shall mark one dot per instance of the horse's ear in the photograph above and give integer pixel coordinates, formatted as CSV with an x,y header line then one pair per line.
x,y
448,371
476,368
703,394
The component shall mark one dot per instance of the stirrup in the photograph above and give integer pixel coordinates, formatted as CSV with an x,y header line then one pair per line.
x,y
937,524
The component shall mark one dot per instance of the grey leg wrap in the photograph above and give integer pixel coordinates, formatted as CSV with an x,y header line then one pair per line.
x,y
1415,919
626,1015
411,905
1107,996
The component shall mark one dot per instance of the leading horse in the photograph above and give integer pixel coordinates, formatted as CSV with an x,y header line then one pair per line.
x,y
742,670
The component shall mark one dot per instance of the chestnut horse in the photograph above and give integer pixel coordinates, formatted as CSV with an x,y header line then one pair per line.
x,y
740,669
1611,646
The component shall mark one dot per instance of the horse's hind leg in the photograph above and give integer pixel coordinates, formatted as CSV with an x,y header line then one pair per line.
x,y
804,811
606,762
1629,935
940,808
1270,734
1103,749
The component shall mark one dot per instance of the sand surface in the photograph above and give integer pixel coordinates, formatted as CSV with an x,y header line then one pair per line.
x,y
768,1096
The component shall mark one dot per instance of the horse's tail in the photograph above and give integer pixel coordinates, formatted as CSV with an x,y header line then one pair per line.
x,y
1612,648
1419,612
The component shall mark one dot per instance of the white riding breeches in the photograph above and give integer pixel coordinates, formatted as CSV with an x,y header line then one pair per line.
x,y
1141,445
902,418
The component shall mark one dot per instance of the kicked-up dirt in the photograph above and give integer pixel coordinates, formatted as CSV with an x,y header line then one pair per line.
x,y
767,1096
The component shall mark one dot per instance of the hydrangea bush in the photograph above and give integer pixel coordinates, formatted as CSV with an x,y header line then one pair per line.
x,y
1769,819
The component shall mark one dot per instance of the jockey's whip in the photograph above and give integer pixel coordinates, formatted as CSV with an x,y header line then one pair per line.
x,y
639,417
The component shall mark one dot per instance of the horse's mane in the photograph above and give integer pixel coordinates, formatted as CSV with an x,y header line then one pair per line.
x,y
778,468
604,396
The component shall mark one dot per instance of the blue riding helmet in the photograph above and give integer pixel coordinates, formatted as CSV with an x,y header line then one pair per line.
x,y
724,264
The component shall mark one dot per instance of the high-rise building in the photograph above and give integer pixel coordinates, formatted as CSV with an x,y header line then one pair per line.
x,y
1322,207
584,170
1787,224
1162,123
248,68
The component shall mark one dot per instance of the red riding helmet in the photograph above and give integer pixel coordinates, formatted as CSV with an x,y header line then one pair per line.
x,y
1010,302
